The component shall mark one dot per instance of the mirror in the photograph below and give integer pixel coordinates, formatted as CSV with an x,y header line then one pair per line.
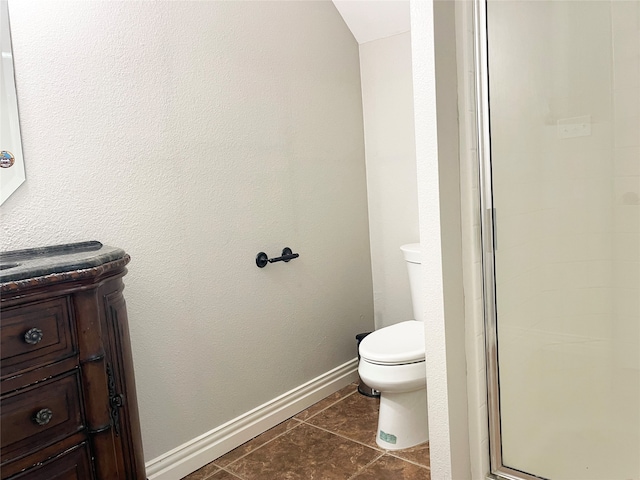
x,y
11,159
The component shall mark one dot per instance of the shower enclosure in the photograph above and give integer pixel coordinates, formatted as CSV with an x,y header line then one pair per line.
x,y
559,110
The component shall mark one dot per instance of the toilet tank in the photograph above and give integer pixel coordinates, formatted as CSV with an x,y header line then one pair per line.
x,y
412,255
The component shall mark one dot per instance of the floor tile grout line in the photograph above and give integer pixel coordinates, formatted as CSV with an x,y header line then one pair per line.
x,y
367,465
327,407
286,431
300,422
389,452
208,477
235,475
377,449
380,451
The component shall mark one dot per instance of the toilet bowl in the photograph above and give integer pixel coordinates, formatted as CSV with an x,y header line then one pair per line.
x,y
392,361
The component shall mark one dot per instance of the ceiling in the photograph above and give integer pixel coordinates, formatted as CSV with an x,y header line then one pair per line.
x,y
374,19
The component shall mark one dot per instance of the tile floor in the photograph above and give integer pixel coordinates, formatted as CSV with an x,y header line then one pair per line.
x,y
333,439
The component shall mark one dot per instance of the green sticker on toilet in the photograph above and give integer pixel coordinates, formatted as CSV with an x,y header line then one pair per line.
x,y
387,437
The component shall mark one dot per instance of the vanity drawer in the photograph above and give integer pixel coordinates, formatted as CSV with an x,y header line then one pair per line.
x,y
35,334
72,465
39,415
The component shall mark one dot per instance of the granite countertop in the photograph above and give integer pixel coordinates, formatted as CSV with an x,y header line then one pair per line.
x,y
36,262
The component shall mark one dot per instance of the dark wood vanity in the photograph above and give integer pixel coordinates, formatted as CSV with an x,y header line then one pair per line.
x,y
68,406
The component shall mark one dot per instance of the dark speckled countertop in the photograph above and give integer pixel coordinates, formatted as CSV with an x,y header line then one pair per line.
x,y
36,262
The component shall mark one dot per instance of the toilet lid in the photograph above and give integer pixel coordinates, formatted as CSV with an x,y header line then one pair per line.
x,y
397,344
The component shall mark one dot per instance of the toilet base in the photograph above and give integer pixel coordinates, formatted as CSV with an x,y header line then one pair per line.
x,y
402,420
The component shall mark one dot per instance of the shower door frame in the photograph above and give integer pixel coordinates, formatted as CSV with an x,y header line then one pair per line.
x,y
489,245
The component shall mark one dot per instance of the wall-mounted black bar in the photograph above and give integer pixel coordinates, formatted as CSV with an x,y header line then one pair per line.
x,y
287,254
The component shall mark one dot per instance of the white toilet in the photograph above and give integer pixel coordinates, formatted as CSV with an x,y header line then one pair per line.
x,y
392,362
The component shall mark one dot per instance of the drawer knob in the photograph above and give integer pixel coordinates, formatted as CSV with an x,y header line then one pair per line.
x,y
42,417
33,336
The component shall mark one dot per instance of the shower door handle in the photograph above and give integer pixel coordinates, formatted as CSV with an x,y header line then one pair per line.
x,y
491,244
494,227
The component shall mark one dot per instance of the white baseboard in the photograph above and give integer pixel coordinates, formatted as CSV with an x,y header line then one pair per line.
x,y
198,452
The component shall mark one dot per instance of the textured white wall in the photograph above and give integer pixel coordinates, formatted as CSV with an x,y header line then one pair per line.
x,y
450,239
423,65
193,135
387,103
435,84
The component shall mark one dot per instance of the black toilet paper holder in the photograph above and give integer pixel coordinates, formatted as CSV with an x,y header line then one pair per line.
x,y
287,254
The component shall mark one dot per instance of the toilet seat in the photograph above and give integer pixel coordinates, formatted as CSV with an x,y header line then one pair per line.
x,y
397,344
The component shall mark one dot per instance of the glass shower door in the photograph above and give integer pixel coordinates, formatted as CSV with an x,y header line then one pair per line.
x,y
564,183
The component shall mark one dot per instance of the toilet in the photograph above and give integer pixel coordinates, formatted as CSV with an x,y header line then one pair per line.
x,y
392,362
